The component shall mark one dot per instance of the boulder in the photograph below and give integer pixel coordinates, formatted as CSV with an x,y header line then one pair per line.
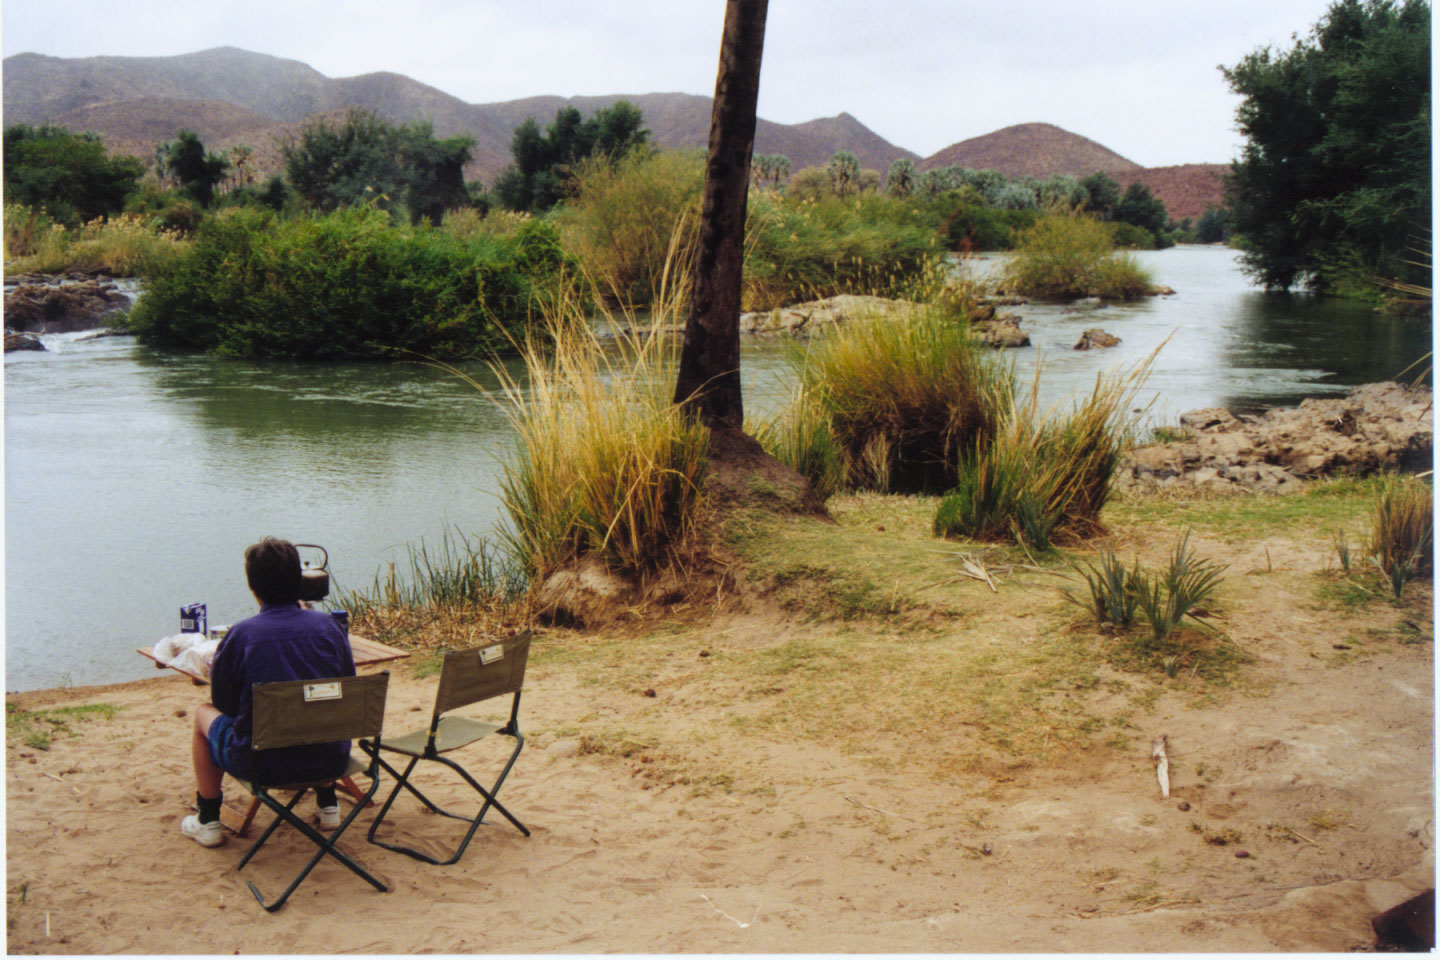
x,y
1096,338
1379,426
64,306
1003,331
22,341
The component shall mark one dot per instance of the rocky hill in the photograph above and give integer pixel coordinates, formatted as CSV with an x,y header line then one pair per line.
x,y
1188,189
1032,149
1043,149
231,96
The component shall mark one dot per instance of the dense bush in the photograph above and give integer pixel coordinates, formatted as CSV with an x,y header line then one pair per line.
x,y
1068,255
123,246
623,218
344,285
804,250
67,174
973,226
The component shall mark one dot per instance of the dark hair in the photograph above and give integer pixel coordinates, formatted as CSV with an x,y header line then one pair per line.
x,y
272,568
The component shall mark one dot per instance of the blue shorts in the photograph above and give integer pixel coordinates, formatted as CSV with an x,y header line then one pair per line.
x,y
222,731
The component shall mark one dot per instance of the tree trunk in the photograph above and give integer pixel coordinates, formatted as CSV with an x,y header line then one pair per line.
x,y
709,378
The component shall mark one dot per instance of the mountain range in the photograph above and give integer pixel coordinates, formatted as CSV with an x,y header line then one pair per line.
x,y
231,96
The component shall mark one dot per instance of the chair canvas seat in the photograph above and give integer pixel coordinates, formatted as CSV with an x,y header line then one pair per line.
x,y
353,765
466,677
451,733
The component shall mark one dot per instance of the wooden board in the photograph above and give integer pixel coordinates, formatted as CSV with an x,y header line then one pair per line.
x,y
365,651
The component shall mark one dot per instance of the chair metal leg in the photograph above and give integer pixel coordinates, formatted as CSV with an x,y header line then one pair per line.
x,y
403,781
326,845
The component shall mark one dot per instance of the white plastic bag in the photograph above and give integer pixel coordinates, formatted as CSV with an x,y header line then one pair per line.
x,y
192,652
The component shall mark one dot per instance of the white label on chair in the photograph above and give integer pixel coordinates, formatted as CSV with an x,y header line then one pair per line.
x,y
322,691
493,653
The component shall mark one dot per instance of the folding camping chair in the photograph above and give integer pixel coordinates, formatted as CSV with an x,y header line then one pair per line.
x,y
298,712
466,677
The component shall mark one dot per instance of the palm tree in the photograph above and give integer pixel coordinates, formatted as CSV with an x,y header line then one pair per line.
x,y
708,382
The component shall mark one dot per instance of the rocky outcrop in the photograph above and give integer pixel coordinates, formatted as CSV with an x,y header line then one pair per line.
x,y
1095,338
22,341
1379,426
64,305
801,318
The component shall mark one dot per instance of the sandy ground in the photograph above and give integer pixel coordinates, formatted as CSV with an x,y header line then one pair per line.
x,y
1325,776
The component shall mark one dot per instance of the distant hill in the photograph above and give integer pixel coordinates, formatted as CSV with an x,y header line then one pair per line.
x,y
1032,149
1042,149
231,96
1188,189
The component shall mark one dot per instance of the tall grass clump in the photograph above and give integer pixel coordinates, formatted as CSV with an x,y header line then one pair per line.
x,y
803,437
904,394
1068,254
1401,541
122,246
633,222
347,285
461,573
1040,475
604,463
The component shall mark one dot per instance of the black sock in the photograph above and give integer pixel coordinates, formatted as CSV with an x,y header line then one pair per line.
x,y
209,808
325,796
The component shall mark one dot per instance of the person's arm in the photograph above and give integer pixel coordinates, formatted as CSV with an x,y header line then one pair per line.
x,y
225,676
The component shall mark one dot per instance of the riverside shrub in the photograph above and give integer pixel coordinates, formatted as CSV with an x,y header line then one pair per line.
x,y
800,250
1072,255
346,285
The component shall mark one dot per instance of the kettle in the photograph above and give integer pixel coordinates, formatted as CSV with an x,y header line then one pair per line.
x,y
314,580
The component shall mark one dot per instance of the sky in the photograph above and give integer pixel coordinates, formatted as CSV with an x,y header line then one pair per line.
x,y
1139,76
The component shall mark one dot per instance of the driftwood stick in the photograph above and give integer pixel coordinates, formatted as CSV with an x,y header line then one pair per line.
x,y
1159,756
867,806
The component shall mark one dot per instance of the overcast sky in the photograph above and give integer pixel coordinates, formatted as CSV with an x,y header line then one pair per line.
x,y
1139,76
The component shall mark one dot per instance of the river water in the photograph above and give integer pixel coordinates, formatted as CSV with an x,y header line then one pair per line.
x,y
134,479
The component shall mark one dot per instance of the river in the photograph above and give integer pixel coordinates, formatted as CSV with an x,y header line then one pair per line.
x,y
134,478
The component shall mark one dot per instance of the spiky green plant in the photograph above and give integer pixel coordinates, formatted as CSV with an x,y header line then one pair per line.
x,y
1113,596
1166,599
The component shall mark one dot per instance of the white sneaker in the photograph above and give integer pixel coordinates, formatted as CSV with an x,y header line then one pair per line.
x,y
329,817
206,834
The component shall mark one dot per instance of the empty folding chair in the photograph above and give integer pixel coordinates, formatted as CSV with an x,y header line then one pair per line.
x,y
466,677
298,712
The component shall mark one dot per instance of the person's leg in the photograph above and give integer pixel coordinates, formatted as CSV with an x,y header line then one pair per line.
x,y
204,827
207,773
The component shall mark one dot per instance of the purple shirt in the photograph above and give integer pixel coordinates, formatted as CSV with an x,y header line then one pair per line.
x,y
283,642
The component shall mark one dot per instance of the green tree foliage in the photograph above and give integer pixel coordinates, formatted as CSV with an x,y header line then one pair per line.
x,y
900,181
544,163
198,172
367,159
69,174
1102,195
1336,166
844,172
1213,226
346,285
1143,209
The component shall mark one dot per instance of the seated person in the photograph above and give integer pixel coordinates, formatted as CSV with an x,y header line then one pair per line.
x,y
284,641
